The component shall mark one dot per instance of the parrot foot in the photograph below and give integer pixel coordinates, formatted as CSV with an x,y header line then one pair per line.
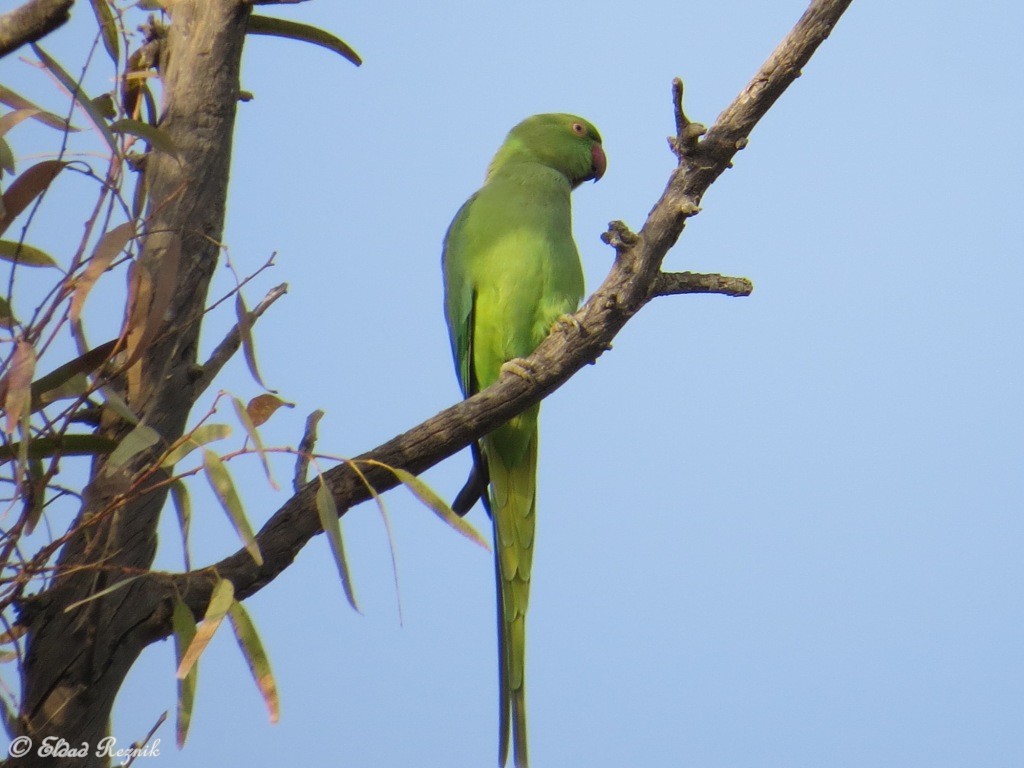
x,y
567,323
520,367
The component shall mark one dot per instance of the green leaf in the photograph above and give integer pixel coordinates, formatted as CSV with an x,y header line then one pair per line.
x,y
118,406
107,249
197,438
112,588
66,445
267,25
327,509
184,633
26,255
425,494
71,389
387,528
11,119
6,314
19,384
224,489
254,436
104,104
73,88
221,598
252,648
50,387
183,509
245,334
135,442
152,135
26,188
16,101
35,497
6,164
108,28
140,193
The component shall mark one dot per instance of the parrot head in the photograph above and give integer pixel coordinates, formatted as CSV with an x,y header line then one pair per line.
x,y
567,143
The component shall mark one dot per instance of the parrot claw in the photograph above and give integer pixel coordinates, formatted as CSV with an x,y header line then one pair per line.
x,y
567,323
520,367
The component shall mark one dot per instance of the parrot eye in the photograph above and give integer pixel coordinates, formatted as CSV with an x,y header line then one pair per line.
x,y
578,129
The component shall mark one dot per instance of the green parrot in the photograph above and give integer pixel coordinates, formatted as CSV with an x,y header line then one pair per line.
x,y
511,270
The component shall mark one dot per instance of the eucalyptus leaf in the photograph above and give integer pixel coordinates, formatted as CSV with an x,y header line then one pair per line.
x,y
254,436
197,438
184,625
152,135
256,657
26,255
108,28
27,187
327,510
183,510
135,442
221,598
224,489
72,86
268,25
435,503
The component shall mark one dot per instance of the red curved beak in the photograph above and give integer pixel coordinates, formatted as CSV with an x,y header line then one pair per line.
x,y
600,161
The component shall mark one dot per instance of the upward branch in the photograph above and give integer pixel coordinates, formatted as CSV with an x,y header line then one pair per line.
x,y
634,279
32,21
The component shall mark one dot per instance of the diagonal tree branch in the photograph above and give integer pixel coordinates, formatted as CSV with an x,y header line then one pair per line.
x,y
231,342
32,21
635,278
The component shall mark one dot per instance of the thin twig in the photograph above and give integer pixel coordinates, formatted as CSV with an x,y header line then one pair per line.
x,y
139,747
306,446
233,340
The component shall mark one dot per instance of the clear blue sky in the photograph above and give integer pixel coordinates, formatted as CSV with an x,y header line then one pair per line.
x,y
777,531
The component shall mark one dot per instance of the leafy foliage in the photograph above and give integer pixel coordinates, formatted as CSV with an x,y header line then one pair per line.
x,y
82,419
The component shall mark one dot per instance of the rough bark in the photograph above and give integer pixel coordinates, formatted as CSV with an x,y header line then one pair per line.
x,y
32,21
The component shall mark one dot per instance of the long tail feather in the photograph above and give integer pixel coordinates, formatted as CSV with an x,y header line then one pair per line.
x,y
512,461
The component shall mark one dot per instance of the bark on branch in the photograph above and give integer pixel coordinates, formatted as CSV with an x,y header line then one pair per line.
x,y
32,21
674,283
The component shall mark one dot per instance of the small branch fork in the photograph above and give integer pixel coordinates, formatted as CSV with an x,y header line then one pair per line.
x,y
635,278
232,341
686,141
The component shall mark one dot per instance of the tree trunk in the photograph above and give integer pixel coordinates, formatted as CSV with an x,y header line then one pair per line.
x,y
77,660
